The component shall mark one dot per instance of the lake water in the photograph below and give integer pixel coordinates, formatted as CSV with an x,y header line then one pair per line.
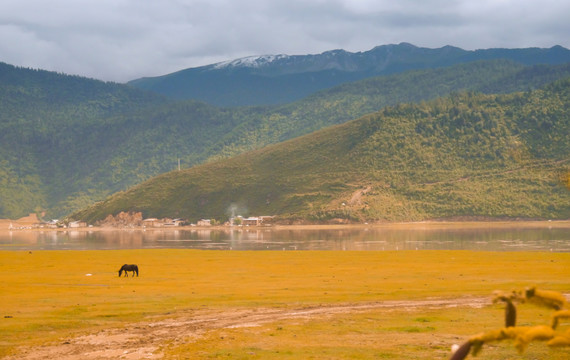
x,y
483,238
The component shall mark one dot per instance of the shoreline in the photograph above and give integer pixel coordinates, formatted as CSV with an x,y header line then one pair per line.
x,y
417,225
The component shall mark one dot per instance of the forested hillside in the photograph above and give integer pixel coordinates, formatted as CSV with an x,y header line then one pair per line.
x,y
465,155
352,100
46,117
68,141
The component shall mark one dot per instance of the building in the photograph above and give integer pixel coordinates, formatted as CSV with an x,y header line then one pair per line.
x,y
151,222
257,220
204,222
77,224
174,222
251,221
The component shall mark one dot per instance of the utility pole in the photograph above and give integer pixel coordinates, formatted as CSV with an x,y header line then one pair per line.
x,y
178,164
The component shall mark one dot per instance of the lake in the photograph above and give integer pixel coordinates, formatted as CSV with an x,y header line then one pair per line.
x,y
510,237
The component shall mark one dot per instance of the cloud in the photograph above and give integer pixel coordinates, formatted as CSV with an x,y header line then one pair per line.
x,y
120,40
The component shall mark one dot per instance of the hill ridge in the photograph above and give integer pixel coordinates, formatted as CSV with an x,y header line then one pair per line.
x,y
278,79
468,154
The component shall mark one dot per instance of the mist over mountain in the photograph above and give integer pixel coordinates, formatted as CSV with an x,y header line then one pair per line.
x,y
279,79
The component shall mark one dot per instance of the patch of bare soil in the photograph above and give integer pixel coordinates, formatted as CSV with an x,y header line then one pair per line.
x,y
26,221
144,340
357,196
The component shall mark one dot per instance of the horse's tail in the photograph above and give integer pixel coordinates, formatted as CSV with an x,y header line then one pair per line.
x,y
137,270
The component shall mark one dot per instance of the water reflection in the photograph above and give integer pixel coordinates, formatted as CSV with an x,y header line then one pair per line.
x,y
489,239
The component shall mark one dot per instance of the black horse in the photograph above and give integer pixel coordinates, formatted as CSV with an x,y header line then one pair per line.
x,y
126,268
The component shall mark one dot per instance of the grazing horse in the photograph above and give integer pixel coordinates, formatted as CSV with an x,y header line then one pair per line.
x,y
126,268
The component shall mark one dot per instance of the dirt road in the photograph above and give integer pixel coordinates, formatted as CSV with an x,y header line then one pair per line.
x,y
144,340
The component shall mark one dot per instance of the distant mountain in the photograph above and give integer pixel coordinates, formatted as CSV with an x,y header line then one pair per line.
x,y
467,155
279,79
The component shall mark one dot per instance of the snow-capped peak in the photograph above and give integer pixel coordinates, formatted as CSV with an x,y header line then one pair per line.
x,y
250,61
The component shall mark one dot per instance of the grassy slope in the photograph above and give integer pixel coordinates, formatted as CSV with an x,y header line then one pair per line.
x,y
466,155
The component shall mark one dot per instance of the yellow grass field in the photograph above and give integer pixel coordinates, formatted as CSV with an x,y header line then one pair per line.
x,y
266,304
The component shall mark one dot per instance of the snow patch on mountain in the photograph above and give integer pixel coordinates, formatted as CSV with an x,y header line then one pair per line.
x,y
250,61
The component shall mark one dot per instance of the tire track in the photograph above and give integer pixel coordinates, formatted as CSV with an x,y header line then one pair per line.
x,y
144,340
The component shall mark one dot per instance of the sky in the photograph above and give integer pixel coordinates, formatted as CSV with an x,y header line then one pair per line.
x,y
122,40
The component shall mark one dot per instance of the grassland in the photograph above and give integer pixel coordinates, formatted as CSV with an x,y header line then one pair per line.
x,y
264,305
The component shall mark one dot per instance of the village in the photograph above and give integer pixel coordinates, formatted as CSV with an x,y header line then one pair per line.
x,y
135,220
234,221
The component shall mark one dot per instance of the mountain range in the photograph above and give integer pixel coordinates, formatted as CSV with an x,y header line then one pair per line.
x,y
279,79
67,141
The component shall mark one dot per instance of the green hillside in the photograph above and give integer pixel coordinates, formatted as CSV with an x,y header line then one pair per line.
x,y
353,100
466,155
46,118
66,141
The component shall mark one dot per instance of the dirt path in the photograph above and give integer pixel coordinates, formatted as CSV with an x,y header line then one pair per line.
x,y
495,173
144,340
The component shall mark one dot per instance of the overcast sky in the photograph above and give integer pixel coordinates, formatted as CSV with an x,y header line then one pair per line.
x,y
121,40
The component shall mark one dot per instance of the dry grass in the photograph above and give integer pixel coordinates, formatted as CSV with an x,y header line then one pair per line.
x,y
47,295
377,334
